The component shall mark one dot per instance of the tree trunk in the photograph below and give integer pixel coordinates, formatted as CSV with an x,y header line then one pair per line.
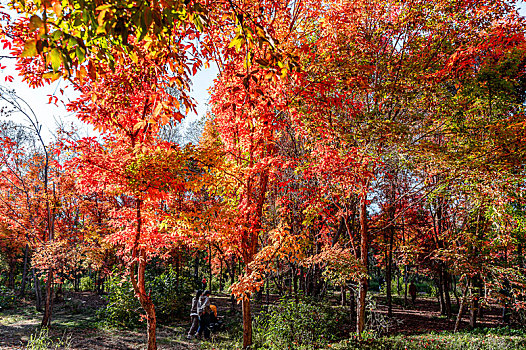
x,y
221,276
145,300
24,271
352,303
11,274
388,272
362,287
343,292
247,322
38,292
137,275
210,267
441,292
447,299
48,304
232,280
474,306
406,277
196,269
461,308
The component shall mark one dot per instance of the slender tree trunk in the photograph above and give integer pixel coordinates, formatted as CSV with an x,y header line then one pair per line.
x,y
455,293
461,308
210,267
520,257
406,277
24,271
221,276
11,274
38,292
295,282
343,292
388,271
247,322
474,306
137,274
232,280
177,270
440,285
196,270
447,298
362,286
48,305
352,303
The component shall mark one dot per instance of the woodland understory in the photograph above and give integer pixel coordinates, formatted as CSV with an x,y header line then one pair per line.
x,y
351,151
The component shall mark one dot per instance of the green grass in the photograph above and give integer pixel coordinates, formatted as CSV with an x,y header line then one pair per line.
x,y
480,339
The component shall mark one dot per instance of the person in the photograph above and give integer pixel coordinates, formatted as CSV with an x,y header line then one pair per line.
x,y
215,323
203,309
412,292
194,316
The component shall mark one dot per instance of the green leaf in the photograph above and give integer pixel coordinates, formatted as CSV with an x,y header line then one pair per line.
x,y
30,49
55,58
56,34
80,52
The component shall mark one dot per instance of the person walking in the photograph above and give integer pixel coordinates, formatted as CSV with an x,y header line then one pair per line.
x,y
203,308
194,316
412,292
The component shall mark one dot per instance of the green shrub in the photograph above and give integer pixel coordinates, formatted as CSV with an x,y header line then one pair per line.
x,y
7,298
171,299
302,325
481,339
42,341
86,284
123,308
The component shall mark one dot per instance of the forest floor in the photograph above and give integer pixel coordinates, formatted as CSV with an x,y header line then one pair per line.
x,y
75,324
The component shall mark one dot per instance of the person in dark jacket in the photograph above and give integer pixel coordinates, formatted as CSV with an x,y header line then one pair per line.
x,y
203,309
194,316
412,292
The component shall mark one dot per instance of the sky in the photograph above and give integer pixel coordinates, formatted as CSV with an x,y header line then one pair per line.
x,y
49,113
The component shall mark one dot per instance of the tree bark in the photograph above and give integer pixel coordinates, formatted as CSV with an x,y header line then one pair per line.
x,y
406,277
247,322
48,304
362,286
24,271
461,308
389,270
474,307
137,274
38,292
11,274
440,289
446,278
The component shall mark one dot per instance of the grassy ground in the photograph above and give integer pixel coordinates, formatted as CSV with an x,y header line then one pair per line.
x,y
76,326
79,328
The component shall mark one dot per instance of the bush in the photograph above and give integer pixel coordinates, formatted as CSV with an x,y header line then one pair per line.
x,y
86,284
7,298
123,308
171,299
42,341
480,339
302,325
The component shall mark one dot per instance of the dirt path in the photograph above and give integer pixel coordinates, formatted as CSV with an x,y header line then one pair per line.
x,y
74,324
425,316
